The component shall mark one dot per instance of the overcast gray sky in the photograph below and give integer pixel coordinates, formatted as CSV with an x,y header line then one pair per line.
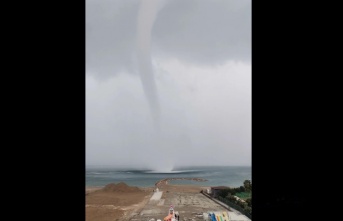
x,y
168,83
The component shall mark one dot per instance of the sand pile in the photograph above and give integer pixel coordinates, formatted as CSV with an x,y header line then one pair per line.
x,y
120,187
114,202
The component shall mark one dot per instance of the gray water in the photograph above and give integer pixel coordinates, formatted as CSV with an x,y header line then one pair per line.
x,y
232,176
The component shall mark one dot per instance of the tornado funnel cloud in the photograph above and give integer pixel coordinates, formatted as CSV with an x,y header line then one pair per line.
x,y
146,17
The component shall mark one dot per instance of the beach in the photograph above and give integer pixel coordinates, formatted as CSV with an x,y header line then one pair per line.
x,y
127,203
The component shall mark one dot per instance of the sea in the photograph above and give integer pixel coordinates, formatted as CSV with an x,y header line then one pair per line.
x,y
232,176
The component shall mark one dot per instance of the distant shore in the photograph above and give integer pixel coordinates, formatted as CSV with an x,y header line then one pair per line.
x,y
165,181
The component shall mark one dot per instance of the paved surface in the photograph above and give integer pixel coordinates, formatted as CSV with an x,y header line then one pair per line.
x,y
190,206
156,196
189,203
234,215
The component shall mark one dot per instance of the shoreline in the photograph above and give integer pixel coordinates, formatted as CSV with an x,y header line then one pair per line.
x,y
165,181
161,182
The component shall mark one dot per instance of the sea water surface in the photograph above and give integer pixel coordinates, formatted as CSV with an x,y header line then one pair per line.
x,y
232,176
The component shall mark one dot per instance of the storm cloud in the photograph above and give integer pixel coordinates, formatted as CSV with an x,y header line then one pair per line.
x,y
199,58
198,31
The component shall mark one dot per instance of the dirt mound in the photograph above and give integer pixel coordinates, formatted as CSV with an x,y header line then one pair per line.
x,y
120,187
